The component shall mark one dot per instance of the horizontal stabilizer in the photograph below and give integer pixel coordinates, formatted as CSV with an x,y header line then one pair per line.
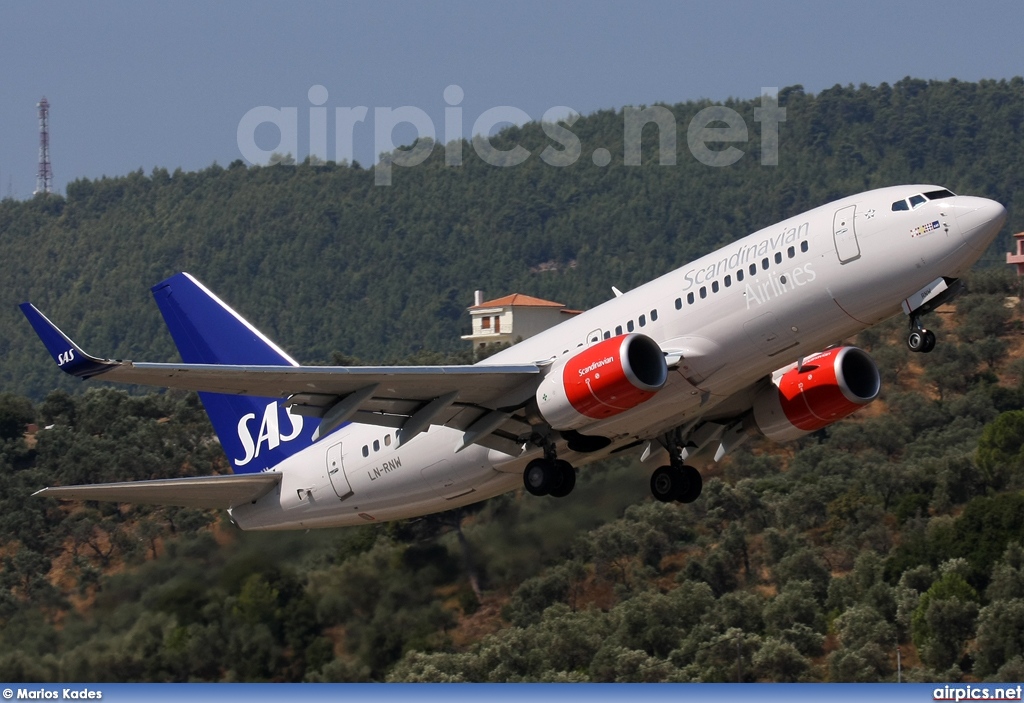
x,y
220,492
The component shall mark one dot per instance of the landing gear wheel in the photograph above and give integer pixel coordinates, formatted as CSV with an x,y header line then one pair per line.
x,y
692,484
921,340
553,477
915,340
665,483
564,479
681,483
929,341
537,477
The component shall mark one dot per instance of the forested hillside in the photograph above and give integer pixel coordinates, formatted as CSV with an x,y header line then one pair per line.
x,y
898,530
323,260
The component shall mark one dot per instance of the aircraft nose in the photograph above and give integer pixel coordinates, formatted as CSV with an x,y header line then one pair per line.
x,y
979,219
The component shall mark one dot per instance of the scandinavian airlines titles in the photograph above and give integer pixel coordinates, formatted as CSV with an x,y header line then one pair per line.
x,y
744,254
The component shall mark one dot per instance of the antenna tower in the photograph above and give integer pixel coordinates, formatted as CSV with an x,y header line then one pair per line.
x,y
44,179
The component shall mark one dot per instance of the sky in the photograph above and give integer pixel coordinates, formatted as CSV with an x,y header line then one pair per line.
x,y
143,85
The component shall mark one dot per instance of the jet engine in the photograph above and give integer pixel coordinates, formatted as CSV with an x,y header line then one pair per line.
x,y
603,380
818,391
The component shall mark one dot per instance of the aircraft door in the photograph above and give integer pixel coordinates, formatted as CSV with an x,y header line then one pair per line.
x,y
594,337
845,234
336,472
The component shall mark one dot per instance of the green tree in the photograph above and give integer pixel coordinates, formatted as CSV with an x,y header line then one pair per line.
x,y
944,620
15,414
1000,636
779,661
796,604
1008,575
561,583
1000,454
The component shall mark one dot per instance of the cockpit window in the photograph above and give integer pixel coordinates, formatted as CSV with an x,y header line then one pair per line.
x,y
900,205
917,201
937,194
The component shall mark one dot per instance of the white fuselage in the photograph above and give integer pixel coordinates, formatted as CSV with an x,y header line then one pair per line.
x,y
735,316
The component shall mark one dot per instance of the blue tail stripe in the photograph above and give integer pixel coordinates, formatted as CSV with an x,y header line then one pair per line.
x,y
256,433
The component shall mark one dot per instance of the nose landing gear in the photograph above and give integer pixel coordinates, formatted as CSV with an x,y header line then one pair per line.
x,y
940,291
920,339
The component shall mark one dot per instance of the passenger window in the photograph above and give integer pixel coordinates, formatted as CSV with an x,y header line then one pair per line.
x,y
728,280
629,326
654,315
764,263
689,298
791,252
778,257
376,445
608,334
703,292
679,303
618,329
739,274
900,205
643,320
753,269
714,287
366,450
917,201
803,246
387,437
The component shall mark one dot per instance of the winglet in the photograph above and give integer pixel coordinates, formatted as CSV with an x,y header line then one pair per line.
x,y
68,355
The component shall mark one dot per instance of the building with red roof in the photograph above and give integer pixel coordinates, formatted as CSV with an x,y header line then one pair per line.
x,y
512,318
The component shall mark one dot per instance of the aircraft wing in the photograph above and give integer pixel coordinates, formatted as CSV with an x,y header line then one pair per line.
x,y
220,492
407,397
475,384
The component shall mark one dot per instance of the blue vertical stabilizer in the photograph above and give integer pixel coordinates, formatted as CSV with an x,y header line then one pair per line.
x,y
256,433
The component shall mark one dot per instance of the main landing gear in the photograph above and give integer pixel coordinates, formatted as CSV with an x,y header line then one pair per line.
x,y
676,481
682,483
549,476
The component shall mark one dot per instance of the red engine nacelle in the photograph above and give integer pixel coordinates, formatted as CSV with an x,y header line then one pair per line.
x,y
825,388
601,381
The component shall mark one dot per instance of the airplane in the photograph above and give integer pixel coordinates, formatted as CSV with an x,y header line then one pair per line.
x,y
744,341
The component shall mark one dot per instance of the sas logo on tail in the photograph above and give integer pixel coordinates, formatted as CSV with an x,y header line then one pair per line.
x,y
269,431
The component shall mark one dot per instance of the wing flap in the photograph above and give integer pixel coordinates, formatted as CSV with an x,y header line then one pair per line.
x,y
215,492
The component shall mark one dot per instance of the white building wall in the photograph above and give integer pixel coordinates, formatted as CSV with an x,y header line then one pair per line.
x,y
516,322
